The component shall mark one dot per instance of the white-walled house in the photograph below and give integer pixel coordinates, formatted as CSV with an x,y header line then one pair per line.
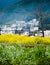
x,y
25,33
7,30
21,27
47,33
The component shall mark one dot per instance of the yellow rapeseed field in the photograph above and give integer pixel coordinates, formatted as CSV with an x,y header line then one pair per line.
x,y
14,38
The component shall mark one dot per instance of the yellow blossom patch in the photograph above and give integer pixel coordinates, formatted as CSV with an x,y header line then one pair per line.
x,y
14,38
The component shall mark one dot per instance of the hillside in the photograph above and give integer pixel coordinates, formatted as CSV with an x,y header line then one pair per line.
x,y
23,10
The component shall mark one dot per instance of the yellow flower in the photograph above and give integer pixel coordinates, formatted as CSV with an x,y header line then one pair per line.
x,y
15,38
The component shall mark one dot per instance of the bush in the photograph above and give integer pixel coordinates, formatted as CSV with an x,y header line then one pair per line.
x,y
18,55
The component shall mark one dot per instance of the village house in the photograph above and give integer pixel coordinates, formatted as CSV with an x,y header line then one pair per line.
x,y
21,27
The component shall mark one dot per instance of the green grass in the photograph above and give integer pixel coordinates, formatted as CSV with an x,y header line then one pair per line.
x,y
19,55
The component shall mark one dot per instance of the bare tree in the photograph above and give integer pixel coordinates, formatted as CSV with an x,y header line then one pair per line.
x,y
41,15
0,31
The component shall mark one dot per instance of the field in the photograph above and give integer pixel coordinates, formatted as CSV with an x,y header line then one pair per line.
x,y
24,50
23,40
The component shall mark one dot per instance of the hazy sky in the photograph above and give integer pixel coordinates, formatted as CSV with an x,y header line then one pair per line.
x,y
4,3
22,11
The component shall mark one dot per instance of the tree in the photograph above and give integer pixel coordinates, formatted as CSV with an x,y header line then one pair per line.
x,y
0,31
41,15
41,19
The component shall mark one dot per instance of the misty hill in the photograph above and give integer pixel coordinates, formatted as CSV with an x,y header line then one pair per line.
x,y
24,10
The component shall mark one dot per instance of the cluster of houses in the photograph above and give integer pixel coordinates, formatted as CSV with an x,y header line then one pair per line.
x,y
21,27
24,28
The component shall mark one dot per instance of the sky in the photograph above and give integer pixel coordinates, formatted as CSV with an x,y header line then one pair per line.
x,y
5,3
12,10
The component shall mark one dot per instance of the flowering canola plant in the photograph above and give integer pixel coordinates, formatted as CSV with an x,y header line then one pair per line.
x,y
15,38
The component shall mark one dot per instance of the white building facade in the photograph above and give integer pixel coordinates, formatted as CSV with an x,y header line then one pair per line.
x,y
20,26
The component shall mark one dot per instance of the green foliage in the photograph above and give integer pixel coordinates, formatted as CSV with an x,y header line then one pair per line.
x,y
18,55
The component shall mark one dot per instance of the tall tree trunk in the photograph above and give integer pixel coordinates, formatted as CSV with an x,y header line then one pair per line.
x,y
42,27
0,31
